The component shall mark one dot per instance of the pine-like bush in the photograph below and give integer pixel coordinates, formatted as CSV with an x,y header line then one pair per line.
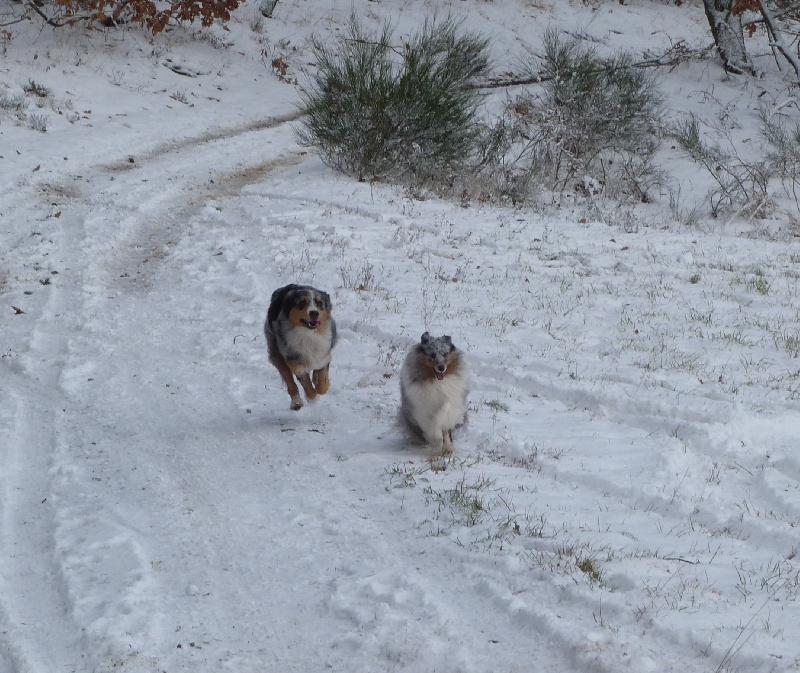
x,y
594,125
378,111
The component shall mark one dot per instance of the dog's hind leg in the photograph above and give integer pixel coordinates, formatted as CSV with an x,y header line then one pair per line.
x,y
291,386
321,381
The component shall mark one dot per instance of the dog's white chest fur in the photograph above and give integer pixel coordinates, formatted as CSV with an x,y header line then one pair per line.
x,y
436,406
315,345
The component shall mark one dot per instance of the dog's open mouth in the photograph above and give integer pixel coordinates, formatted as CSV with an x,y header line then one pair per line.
x,y
311,324
440,376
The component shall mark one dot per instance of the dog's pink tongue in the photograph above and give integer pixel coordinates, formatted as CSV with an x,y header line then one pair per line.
x,y
440,376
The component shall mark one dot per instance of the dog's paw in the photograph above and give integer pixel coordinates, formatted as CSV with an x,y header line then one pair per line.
x,y
438,462
296,404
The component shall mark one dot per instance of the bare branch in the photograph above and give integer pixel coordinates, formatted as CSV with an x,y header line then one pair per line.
x,y
53,20
674,56
11,18
776,39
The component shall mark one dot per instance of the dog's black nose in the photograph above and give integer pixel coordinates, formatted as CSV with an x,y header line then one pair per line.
x,y
441,368
313,314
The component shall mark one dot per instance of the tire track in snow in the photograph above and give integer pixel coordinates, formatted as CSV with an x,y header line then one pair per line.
x,y
182,177
34,605
45,571
212,136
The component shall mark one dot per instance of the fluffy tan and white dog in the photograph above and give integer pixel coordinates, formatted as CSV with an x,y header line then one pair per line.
x,y
301,334
433,391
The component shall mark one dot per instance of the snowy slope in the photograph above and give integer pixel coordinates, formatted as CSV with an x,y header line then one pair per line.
x,y
625,496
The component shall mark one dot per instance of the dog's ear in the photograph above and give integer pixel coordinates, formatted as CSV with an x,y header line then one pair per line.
x,y
326,299
425,338
446,338
277,295
277,302
289,298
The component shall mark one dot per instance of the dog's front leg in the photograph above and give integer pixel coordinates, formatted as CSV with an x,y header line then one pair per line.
x,y
291,386
321,381
447,442
308,387
433,438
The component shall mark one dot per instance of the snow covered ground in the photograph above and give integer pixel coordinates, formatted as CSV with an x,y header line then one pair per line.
x,y
625,496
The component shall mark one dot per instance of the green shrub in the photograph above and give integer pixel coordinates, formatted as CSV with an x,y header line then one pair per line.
x,y
594,126
376,111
